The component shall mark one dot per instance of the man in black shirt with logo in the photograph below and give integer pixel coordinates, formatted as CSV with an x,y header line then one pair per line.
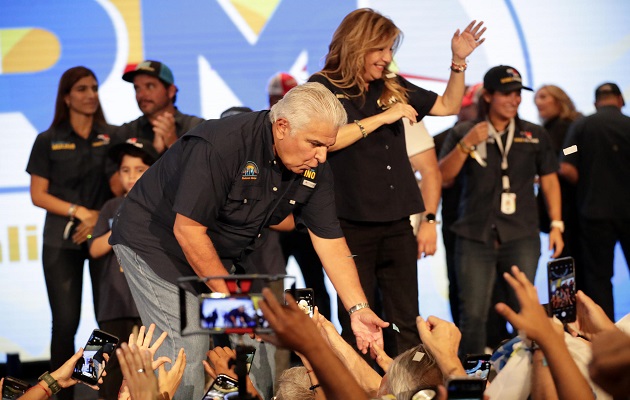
x,y
201,207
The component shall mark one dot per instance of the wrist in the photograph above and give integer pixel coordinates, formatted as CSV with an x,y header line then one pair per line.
x,y
49,381
357,307
557,224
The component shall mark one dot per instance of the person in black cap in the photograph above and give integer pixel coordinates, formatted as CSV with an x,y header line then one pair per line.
x,y
600,167
497,159
117,312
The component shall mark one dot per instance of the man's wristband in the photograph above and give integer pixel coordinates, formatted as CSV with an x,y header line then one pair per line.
x,y
72,211
557,224
358,307
465,149
52,383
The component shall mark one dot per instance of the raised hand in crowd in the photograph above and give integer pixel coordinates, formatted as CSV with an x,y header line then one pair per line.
x,y
363,373
591,319
165,131
294,330
140,382
442,339
64,379
532,321
168,381
218,363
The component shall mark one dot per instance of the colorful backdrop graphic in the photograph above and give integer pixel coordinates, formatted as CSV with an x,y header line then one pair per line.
x,y
222,53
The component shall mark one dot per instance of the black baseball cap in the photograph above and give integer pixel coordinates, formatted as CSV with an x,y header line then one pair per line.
x,y
152,68
608,88
504,79
134,146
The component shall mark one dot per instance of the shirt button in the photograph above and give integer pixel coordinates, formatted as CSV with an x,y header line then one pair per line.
x,y
391,187
275,189
260,234
244,200
386,147
389,167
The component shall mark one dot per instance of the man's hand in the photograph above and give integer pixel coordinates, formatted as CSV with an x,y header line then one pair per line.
x,y
164,127
591,318
219,362
427,239
441,338
368,329
532,319
556,243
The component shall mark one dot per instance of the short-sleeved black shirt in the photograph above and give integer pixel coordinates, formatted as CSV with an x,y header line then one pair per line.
x,y
223,174
531,154
374,180
603,163
115,299
75,170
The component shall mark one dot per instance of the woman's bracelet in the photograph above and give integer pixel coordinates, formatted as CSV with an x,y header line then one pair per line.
x,y
458,67
72,211
465,149
361,127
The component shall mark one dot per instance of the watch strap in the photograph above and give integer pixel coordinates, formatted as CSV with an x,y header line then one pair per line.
x,y
52,383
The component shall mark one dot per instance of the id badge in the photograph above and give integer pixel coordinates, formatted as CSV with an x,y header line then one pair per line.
x,y
508,203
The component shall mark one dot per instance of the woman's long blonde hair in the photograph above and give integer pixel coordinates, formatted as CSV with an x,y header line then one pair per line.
x,y
360,32
567,108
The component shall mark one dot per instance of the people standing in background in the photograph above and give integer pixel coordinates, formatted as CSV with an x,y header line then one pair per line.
x,y
161,122
67,168
600,168
117,313
450,199
557,112
497,159
375,188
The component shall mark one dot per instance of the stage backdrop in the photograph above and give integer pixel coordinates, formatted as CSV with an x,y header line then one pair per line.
x,y
222,52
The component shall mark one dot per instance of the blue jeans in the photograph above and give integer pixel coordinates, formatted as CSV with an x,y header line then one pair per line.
x,y
158,302
477,266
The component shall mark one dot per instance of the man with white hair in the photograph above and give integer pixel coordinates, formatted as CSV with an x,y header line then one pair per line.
x,y
202,208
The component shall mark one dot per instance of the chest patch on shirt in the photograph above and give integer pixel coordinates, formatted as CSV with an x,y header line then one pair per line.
x,y
525,137
101,140
55,146
250,171
309,177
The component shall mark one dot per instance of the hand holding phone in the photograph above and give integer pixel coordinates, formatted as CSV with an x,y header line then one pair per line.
x,y
89,368
561,285
477,365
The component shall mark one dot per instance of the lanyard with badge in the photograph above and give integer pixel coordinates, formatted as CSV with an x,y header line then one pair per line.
x,y
508,199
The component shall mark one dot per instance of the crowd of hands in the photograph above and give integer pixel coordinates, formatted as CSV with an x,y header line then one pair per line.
x,y
342,373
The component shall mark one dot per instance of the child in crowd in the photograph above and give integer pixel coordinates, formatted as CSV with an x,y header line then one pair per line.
x,y
117,312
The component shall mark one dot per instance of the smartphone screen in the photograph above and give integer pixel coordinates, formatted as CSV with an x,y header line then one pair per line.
x,y
237,314
221,388
465,388
89,368
13,388
477,365
561,278
305,299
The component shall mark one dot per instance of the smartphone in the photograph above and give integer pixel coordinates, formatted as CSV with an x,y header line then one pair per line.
x,y
232,314
466,388
305,299
12,388
89,368
561,279
221,387
477,365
